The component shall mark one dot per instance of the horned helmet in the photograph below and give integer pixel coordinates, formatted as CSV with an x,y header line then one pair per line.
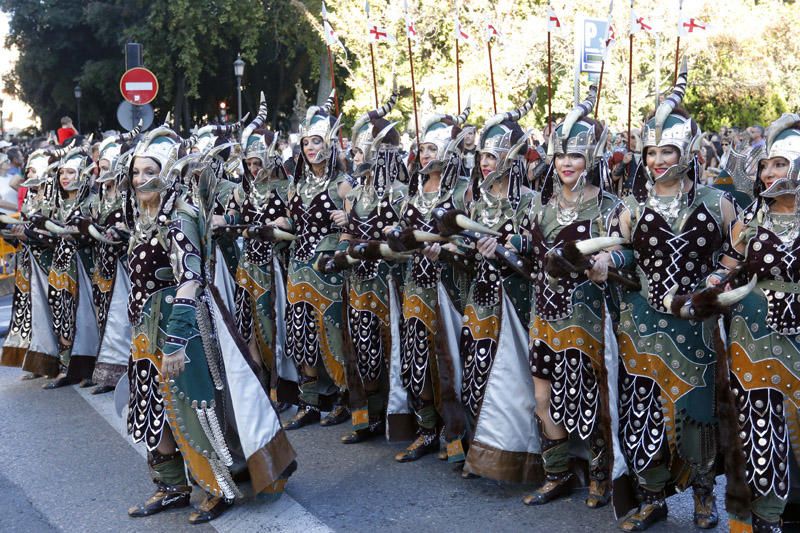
x,y
440,130
319,122
783,140
670,128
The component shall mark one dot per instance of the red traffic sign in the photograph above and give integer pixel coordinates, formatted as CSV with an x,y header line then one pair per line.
x,y
138,86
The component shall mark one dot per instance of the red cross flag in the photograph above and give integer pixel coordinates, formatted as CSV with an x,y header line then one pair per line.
x,y
461,35
639,24
380,33
493,31
611,40
411,28
553,22
330,36
691,26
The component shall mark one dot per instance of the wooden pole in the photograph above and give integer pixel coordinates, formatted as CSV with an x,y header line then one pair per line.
x,y
458,78
630,86
374,76
491,76
335,94
413,92
549,87
677,53
599,91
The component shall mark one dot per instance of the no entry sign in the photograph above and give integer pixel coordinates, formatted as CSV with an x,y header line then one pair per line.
x,y
138,86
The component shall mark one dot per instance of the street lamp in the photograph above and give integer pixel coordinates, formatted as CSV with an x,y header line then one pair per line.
x,y
238,71
77,92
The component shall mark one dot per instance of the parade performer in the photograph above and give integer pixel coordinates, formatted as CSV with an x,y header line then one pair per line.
x,y
372,207
763,342
430,371
70,293
110,281
41,359
190,379
261,274
567,330
667,424
314,315
497,310
18,340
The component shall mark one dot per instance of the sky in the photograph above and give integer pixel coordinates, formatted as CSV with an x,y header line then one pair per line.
x,y
16,115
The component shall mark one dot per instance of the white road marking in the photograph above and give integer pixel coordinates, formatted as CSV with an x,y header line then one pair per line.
x,y
252,515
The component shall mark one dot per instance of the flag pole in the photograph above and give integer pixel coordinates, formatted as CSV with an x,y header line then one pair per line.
x,y
677,42
458,77
374,77
549,86
335,92
413,91
677,53
599,90
491,75
630,80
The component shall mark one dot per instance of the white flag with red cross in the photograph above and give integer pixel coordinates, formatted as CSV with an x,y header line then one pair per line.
x,y
411,28
691,26
639,24
610,41
493,31
462,36
330,36
553,22
378,33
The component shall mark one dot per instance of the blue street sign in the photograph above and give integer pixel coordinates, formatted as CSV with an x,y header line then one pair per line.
x,y
592,40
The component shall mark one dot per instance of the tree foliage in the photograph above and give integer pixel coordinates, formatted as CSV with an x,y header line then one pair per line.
x,y
744,72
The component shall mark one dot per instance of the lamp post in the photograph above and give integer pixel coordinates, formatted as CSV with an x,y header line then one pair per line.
x,y
78,93
238,71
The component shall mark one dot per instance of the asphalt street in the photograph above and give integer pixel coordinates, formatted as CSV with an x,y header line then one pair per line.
x,y
66,466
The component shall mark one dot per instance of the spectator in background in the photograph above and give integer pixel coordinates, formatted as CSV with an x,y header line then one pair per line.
x,y
66,131
756,136
15,176
8,196
291,163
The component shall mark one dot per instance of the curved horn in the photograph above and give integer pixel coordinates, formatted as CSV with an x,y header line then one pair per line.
x,y
591,246
668,105
461,118
5,219
329,103
384,110
733,296
99,236
183,161
581,110
522,110
54,228
124,137
217,150
465,222
376,142
452,146
61,152
281,235
427,236
261,118
168,120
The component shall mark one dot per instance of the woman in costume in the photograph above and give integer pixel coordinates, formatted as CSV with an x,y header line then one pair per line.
x,y
69,295
429,371
372,207
185,352
314,316
497,309
567,356
110,281
18,340
260,277
667,425
763,341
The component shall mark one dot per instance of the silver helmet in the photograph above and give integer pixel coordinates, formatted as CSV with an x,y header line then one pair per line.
x,y
370,131
161,145
319,122
783,140
576,135
667,128
440,130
